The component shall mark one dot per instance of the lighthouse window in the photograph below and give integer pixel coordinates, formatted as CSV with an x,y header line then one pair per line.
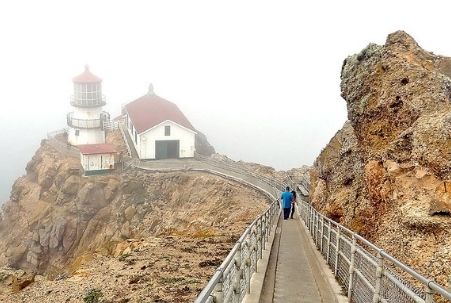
x,y
167,130
77,132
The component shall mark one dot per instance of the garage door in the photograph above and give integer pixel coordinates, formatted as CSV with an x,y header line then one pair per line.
x,y
167,149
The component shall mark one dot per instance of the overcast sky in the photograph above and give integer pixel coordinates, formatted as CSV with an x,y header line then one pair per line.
x,y
259,78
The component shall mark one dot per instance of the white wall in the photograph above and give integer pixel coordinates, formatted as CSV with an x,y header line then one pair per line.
x,y
87,113
146,140
97,162
86,136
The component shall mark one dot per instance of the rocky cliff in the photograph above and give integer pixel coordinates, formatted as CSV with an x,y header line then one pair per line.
x,y
387,173
131,234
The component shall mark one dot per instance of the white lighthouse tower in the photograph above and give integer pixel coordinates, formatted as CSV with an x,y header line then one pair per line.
x,y
86,121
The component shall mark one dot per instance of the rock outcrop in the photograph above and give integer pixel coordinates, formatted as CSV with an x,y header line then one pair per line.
x,y
203,147
387,173
61,226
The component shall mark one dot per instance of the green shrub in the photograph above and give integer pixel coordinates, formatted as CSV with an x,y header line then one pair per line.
x,y
93,296
123,257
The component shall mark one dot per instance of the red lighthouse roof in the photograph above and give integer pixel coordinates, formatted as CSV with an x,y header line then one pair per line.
x,y
86,77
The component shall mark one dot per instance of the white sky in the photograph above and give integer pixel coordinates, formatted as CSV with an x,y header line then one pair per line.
x,y
259,78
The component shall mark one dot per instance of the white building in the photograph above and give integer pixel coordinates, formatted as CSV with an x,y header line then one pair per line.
x,y
97,158
86,121
158,129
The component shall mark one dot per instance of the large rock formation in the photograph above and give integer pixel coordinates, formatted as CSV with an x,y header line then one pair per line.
x,y
60,225
387,172
203,147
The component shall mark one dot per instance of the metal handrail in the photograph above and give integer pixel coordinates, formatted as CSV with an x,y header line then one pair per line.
x,y
377,283
231,280
374,277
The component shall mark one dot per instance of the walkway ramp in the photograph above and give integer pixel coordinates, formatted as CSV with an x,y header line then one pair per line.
x,y
298,275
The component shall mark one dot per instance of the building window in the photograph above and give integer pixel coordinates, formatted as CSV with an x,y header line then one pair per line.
x,y
77,132
167,130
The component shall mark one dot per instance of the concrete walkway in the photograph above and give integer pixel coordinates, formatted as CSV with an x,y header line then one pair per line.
x,y
299,276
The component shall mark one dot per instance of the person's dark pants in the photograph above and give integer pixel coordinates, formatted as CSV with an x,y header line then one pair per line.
x,y
292,210
286,213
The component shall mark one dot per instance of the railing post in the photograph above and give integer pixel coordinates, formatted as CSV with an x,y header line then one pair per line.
x,y
264,232
379,274
316,228
308,216
312,230
218,294
429,295
311,221
322,234
351,266
255,245
259,239
247,264
337,248
314,225
238,277
328,241
269,220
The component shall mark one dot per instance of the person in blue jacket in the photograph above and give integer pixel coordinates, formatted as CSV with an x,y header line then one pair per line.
x,y
286,197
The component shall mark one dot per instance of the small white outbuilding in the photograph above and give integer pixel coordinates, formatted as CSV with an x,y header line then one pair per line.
x,y
97,158
158,129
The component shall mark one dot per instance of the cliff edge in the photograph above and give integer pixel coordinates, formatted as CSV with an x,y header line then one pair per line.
x,y
132,234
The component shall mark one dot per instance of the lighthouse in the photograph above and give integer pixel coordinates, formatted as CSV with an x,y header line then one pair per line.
x,y
86,121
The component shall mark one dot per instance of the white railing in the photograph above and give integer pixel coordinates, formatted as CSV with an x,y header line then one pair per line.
x,y
110,125
232,166
366,272
83,123
124,137
232,280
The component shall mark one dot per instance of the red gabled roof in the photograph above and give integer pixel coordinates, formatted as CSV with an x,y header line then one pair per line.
x,y
86,77
92,149
150,110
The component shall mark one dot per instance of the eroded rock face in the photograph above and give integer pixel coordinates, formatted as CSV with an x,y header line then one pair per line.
x,y
57,221
386,174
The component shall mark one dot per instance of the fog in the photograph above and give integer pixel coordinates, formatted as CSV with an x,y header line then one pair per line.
x,y
259,78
